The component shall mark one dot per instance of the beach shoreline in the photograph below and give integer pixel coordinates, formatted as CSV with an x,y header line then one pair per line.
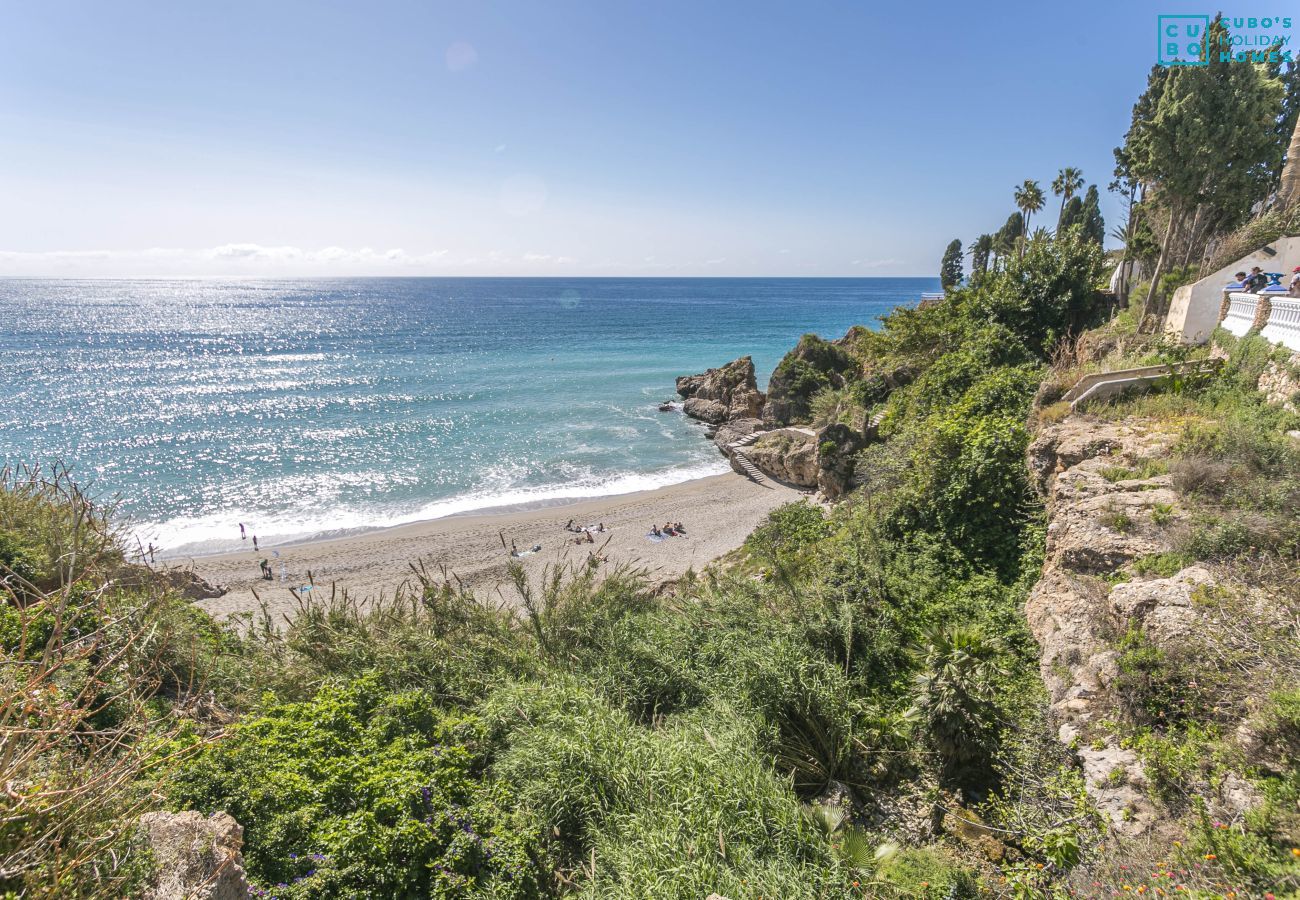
x,y
718,512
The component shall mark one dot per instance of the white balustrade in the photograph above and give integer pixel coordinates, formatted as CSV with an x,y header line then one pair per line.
x,y
1241,313
1283,324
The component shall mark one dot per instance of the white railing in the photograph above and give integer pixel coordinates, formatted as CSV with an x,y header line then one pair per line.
x,y
1241,313
1283,324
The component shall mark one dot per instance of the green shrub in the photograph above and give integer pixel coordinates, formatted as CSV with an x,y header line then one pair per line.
x,y
791,528
1161,565
931,873
361,792
1160,688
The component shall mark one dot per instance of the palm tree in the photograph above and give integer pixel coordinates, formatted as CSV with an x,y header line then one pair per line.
x,y
1029,200
1067,183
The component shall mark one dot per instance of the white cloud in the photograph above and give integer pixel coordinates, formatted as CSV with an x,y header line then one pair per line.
x,y
874,263
233,258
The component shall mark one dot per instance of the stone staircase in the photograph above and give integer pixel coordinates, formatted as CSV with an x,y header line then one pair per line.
x,y
736,450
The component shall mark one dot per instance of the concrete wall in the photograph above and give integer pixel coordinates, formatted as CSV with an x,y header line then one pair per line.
x,y
1194,310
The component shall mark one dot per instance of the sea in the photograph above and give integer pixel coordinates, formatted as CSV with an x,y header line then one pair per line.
x,y
322,407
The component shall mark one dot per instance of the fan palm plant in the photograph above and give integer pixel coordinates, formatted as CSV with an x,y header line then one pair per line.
x,y
1066,184
955,695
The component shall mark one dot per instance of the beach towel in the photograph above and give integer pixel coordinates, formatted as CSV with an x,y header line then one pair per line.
x,y
654,538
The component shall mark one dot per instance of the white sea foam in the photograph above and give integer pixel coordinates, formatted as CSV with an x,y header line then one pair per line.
x,y
219,533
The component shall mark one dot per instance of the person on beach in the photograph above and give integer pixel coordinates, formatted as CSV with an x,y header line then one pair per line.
x,y
569,527
601,526
242,536
254,543
266,570
654,529
590,539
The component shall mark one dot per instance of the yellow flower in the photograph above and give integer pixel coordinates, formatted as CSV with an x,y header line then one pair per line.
x,y
1295,851
1210,856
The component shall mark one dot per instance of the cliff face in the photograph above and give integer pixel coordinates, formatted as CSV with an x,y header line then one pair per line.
x,y
1113,587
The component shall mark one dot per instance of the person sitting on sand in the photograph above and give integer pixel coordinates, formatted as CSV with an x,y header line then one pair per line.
x,y
590,539
601,526
569,527
654,529
680,529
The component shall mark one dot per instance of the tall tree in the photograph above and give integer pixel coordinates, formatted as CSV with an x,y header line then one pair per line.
x,y
1008,236
1094,226
1287,130
1070,216
950,269
1066,185
979,254
1195,141
1029,200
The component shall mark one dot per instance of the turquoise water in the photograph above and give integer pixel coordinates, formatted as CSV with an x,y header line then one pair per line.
x,y
314,407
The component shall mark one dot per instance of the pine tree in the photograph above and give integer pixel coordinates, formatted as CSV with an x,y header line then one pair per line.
x,y
950,273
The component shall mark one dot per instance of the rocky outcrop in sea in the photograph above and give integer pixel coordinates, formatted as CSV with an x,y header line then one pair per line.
x,y
728,398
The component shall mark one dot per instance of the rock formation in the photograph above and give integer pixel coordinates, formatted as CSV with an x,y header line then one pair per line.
x,y
722,395
812,365
1104,516
788,455
196,857
185,582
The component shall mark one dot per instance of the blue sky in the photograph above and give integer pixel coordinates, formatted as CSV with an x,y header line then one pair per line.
x,y
598,138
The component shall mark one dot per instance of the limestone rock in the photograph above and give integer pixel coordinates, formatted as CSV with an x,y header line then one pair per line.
x,y
730,432
1280,383
197,857
1114,779
788,455
1162,607
185,582
837,447
723,394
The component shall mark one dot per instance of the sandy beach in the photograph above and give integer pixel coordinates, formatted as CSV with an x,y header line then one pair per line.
x,y
717,512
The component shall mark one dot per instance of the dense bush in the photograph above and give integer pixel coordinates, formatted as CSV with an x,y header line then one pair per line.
x,y
361,792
